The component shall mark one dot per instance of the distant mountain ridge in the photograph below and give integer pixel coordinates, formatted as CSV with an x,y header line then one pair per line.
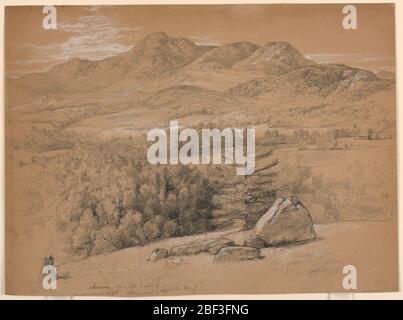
x,y
316,80
158,54
224,57
274,58
151,56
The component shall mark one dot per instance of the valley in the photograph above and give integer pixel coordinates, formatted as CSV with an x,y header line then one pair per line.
x,y
79,185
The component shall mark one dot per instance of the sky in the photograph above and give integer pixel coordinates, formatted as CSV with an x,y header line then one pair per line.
x,y
98,32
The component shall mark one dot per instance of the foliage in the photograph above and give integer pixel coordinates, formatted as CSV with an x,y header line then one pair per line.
x,y
115,201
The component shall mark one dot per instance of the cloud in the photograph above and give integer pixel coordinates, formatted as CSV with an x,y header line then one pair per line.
x,y
98,36
206,39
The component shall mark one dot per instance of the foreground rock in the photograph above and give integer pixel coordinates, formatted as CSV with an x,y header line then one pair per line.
x,y
237,253
254,242
159,254
211,246
287,221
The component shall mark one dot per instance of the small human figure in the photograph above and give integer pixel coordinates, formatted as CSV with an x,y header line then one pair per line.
x,y
51,260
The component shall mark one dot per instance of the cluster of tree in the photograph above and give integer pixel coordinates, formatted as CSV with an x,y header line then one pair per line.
x,y
323,139
145,203
111,197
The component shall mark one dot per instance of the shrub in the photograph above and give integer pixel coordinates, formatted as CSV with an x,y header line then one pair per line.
x,y
142,203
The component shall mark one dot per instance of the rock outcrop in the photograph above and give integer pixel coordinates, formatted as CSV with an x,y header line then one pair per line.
x,y
211,246
237,253
159,254
287,222
254,242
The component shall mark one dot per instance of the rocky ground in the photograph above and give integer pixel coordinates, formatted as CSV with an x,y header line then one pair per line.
x,y
306,267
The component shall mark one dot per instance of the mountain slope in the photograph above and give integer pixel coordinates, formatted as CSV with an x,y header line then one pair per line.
x,y
274,58
189,98
158,61
150,57
317,81
158,53
224,57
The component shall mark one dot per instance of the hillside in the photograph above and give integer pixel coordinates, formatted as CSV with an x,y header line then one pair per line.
x,y
274,58
157,62
224,57
318,81
149,58
190,97
129,273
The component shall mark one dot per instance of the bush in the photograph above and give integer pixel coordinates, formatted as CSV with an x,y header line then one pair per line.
x,y
142,203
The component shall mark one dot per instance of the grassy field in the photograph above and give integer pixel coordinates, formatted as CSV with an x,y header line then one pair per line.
x,y
309,267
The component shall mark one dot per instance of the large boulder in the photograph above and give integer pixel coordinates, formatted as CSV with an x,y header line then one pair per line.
x,y
211,246
287,221
237,253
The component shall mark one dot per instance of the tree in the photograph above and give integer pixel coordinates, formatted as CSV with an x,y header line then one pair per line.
x,y
259,192
83,239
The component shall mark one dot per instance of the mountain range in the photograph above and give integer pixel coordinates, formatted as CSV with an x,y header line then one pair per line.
x,y
158,61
